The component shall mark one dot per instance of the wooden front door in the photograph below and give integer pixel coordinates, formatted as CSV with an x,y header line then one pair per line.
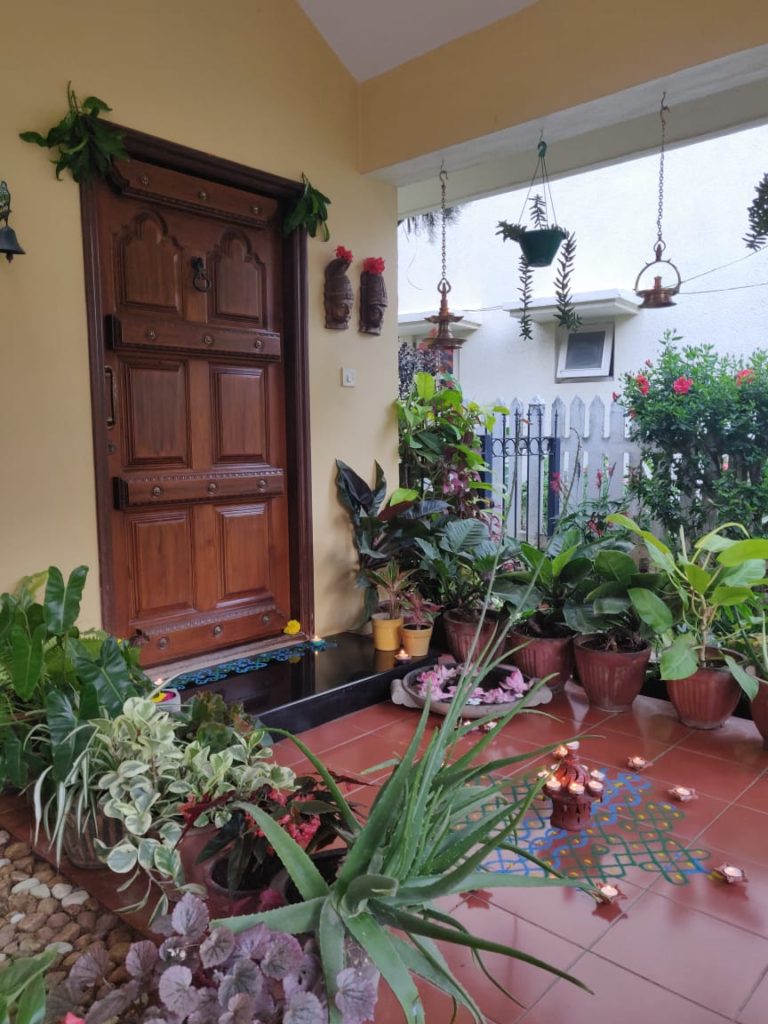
x,y
194,419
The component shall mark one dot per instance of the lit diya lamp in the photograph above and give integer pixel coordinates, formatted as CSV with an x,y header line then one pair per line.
x,y
607,893
637,763
730,873
683,793
573,790
402,655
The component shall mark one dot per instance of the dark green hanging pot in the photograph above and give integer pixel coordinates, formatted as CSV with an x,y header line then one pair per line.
x,y
540,245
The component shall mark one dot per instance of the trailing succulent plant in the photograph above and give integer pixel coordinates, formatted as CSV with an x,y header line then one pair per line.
x,y
212,976
310,212
86,145
565,314
757,213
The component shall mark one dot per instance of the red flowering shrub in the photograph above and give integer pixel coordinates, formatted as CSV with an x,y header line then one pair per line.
x,y
374,265
704,452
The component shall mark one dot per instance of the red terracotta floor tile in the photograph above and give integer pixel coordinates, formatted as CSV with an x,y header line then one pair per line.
x,y
697,956
569,913
331,734
618,996
572,705
611,750
745,906
756,796
539,727
651,718
437,1006
367,752
756,1009
686,820
742,832
378,715
526,982
708,775
737,741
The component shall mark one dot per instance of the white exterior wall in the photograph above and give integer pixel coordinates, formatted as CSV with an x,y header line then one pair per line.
x,y
709,186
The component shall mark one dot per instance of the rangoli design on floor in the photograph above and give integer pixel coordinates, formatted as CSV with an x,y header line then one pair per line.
x,y
215,673
627,832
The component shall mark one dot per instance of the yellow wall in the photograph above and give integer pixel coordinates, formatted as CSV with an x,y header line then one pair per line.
x,y
249,80
546,58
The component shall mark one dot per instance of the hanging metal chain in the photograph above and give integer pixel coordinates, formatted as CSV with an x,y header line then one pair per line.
x,y
443,184
662,110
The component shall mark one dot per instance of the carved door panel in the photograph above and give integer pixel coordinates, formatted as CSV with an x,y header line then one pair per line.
x,y
191,291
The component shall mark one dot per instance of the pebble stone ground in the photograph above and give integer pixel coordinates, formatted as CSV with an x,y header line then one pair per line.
x,y
40,910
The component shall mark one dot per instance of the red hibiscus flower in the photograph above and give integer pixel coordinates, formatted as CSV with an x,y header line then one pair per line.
x,y
555,484
643,384
615,396
745,376
343,254
682,385
374,265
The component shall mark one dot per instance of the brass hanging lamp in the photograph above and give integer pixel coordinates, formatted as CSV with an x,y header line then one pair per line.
x,y
659,295
443,338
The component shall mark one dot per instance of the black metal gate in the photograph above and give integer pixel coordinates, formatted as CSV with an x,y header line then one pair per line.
x,y
524,473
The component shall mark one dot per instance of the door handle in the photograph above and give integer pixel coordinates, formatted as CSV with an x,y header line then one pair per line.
x,y
200,280
109,373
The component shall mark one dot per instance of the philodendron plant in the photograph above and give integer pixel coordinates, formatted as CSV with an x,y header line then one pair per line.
x,y
709,580
426,838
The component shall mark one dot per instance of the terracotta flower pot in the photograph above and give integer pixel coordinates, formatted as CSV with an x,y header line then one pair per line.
x,y
386,633
78,843
459,634
190,848
705,699
416,639
760,711
542,656
611,679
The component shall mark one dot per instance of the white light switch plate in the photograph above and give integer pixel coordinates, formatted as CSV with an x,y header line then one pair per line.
x,y
348,377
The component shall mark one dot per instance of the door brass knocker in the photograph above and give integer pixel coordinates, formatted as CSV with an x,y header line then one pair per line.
x,y
201,281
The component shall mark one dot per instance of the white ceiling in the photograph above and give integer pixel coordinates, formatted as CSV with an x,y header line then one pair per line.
x,y
371,36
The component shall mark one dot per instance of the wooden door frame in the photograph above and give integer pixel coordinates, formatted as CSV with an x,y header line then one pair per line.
x,y
158,151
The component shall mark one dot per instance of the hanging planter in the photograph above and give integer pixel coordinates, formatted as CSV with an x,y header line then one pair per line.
x,y
539,246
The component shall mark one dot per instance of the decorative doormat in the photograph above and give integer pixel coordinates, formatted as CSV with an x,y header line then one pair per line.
x,y
626,833
238,667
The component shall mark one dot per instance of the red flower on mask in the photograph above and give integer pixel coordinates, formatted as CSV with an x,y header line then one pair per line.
x,y
343,254
374,265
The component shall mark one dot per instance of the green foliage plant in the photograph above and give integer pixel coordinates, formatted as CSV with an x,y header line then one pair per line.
x,y
22,988
709,581
439,448
55,677
383,530
86,145
701,420
757,215
409,854
310,212
392,584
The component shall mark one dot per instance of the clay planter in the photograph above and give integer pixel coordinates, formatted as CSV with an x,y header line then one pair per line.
x,y
190,847
543,656
611,679
459,634
705,699
760,711
540,245
416,639
78,842
386,632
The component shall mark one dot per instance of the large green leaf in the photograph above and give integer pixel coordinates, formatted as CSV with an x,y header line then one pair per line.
x,y
31,1009
17,975
728,597
26,659
295,918
615,565
108,674
679,661
62,721
749,683
651,609
743,550
698,578
425,386
62,602
380,948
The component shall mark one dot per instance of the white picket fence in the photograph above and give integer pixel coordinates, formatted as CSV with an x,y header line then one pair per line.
x,y
537,441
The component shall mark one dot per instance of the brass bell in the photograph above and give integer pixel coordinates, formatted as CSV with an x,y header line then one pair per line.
x,y
9,243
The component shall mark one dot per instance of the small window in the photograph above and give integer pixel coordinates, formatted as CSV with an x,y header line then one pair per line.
x,y
586,353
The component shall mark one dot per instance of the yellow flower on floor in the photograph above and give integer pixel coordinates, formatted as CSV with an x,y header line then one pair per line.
x,y
292,627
